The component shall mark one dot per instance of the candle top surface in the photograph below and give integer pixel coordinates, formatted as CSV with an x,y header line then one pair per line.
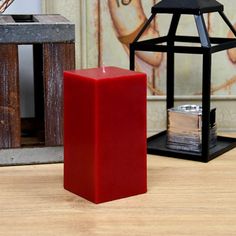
x,y
103,72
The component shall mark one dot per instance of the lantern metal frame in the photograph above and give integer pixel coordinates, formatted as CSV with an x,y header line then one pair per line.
x,y
209,45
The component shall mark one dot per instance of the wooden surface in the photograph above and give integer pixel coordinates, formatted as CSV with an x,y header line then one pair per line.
x,y
9,97
184,198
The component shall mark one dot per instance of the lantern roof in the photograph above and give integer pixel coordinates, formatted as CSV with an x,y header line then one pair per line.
x,y
195,7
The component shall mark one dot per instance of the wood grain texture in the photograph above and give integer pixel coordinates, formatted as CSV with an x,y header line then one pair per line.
x,y
9,97
184,198
57,57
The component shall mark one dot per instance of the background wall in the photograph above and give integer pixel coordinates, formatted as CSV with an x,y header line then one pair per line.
x,y
105,28
25,57
75,11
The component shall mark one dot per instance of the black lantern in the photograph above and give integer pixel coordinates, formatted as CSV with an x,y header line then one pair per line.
x,y
208,46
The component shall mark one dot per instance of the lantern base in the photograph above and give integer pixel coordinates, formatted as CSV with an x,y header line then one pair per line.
x,y
157,145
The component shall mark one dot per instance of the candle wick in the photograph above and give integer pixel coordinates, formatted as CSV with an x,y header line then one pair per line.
x,y
103,68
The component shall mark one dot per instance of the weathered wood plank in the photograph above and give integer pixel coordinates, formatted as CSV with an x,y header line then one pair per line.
x,y
9,97
57,58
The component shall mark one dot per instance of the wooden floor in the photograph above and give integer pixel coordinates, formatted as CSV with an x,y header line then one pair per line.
x,y
184,198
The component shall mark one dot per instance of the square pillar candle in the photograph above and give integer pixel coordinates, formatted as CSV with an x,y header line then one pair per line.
x,y
105,133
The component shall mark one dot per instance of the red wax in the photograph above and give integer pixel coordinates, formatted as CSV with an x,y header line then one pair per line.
x,y
105,133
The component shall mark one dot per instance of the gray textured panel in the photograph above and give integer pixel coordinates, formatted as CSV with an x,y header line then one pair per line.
x,y
42,29
6,19
28,156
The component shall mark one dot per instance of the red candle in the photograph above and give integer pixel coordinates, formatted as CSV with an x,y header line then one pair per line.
x,y
105,133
